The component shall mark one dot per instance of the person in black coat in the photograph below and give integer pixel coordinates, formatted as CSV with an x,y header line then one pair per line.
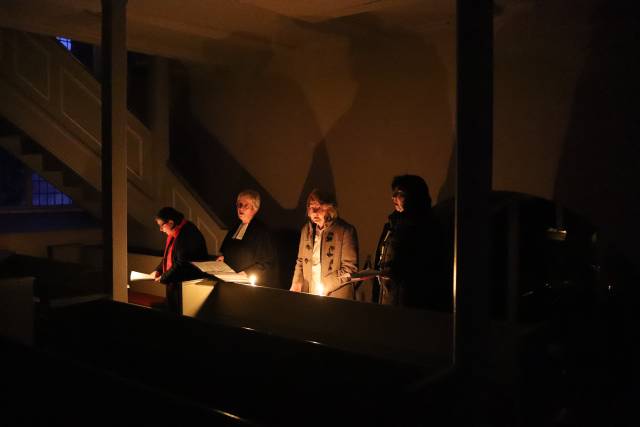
x,y
410,250
248,246
184,244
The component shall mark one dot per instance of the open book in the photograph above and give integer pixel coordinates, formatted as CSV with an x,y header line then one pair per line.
x,y
220,270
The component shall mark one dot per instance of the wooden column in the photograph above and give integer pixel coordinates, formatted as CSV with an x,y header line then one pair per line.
x,y
114,148
473,188
159,104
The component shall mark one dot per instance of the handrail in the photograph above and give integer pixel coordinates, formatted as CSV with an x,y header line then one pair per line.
x,y
205,206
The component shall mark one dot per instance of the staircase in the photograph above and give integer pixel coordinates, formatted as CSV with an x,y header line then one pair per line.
x,y
51,169
55,103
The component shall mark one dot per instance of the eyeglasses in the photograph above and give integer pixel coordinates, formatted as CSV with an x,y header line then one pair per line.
x,y
398,193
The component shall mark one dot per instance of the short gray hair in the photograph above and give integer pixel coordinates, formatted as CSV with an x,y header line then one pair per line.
x,y
253,195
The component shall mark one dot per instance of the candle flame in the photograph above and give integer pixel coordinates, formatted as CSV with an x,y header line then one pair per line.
x,y
252,280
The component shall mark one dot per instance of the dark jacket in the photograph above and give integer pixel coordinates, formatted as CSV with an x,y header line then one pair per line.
x,y
410,254
254,254
189,246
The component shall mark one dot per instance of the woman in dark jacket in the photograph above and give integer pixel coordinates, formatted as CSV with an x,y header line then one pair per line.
x,y
248,246
410,250
184,244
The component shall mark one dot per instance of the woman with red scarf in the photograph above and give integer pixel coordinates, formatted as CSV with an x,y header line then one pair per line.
x,y
184,244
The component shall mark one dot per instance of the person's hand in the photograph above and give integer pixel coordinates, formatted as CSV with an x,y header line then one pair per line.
x,y
296,287
156,275
220,258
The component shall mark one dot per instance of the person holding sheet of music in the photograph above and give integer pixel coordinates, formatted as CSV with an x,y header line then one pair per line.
x,y
248,246
184,244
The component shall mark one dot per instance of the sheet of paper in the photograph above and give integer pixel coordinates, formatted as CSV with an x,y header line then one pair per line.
x,y
136,275
222,271
365,273
213,267
241,277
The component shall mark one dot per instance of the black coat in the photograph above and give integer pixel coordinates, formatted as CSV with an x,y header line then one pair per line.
x,y
189,246
254,254
410,254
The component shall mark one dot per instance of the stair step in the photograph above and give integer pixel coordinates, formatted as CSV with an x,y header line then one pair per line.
x,y
75,193
91,194
11,144
7,128
30,147
55,178
33,161
71,179
50,163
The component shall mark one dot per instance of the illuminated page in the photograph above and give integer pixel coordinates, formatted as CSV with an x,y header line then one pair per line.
x,y
220,270
364,275
213,267
241,277
136,275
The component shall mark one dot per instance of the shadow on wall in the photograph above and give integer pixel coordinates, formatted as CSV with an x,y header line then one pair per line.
x,y
219,179
599,169
399,122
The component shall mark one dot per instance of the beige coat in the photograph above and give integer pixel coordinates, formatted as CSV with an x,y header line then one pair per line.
x,y
338,257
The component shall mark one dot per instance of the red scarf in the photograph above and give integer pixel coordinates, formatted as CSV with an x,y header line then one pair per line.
x,y
167,260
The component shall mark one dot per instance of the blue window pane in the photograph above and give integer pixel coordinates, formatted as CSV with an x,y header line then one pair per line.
x,y
64,42
45,194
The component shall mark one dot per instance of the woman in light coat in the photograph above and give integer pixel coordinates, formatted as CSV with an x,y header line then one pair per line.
x,y
328,250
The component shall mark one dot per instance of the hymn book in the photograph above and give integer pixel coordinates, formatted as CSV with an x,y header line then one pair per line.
x,y
220,270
